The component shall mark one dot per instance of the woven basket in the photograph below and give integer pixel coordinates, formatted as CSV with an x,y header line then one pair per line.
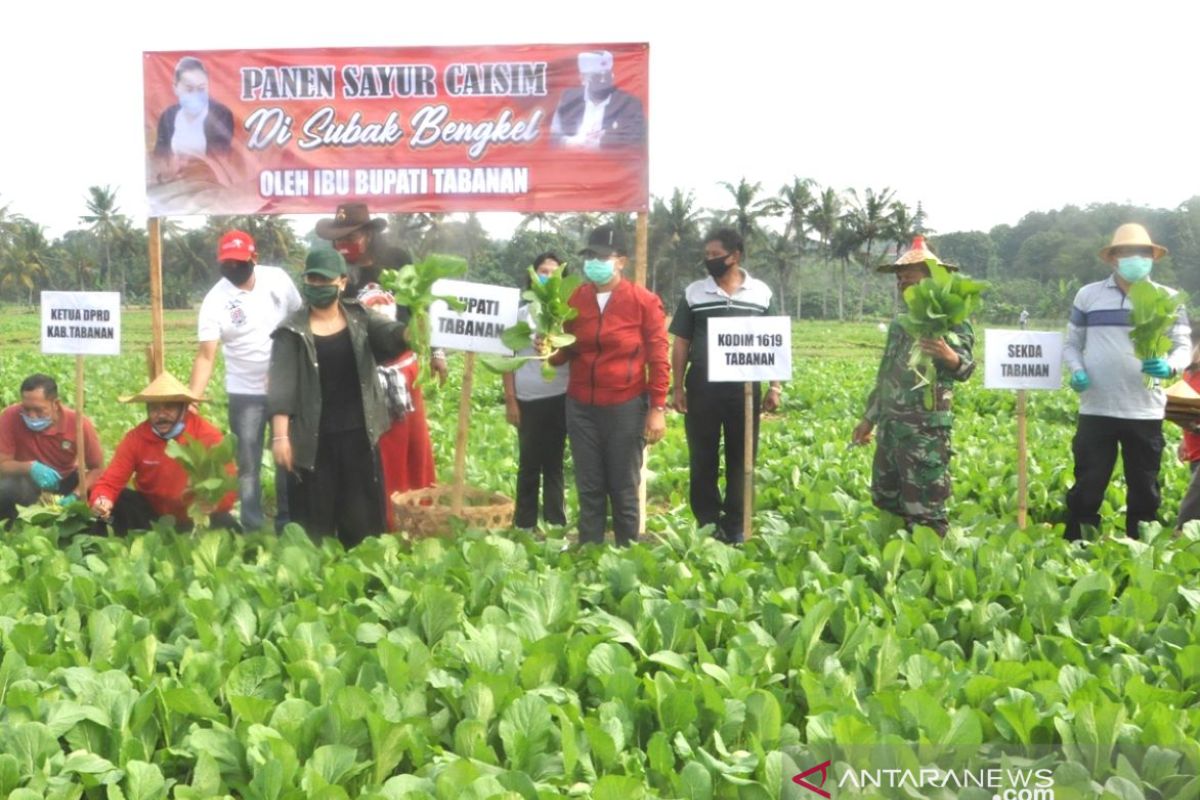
x,y
422,513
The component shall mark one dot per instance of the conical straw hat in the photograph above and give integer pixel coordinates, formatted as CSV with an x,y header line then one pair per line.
x,y
166,388
1132,235
918,253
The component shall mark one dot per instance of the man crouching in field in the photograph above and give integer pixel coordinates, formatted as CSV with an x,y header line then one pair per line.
x,y
160,484
38,451
910,476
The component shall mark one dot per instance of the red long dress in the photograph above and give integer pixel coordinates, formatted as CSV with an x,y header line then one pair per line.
x,y
405,449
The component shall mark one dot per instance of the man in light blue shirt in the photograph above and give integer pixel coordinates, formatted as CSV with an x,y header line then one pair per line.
x,y
1116,407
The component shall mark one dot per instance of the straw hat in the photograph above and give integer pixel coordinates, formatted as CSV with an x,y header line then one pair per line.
x,y
166,388
1132,235
918,253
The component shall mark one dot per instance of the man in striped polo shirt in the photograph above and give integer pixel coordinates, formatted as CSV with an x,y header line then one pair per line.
x,y
1115,405
712,408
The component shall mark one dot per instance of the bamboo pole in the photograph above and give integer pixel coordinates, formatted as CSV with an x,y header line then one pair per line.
x,y
154,234
460,439
641,256
80,441
1022,467
748,463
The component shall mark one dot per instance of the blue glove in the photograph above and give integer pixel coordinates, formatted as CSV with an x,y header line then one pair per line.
x,y
1156,368
45,477
67,499
1080,380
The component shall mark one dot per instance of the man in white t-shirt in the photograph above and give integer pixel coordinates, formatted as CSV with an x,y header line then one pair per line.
x,y
240,312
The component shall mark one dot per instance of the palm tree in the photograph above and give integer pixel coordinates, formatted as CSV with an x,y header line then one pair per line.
x,y
24,265
795,202
824,218
105,220
901,226
869,216
542,219
75,253
748,210
844,246
579,224
674,228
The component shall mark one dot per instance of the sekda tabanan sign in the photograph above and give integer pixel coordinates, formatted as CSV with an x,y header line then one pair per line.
x,y
515,128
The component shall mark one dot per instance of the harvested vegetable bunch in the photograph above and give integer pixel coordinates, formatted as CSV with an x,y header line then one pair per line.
x,y
936,306
210,471
412,286
1155,311
550,310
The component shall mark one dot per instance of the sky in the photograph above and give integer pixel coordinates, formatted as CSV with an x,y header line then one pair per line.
x,y
982,111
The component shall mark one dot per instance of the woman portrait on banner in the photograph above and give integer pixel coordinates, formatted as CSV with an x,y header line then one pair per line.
x,y
193,144
327,406
537,408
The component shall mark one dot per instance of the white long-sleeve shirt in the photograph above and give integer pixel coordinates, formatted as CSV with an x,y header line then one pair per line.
x,y
1098,342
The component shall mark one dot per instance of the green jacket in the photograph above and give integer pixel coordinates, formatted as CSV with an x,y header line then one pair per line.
x,y
294,383
896,395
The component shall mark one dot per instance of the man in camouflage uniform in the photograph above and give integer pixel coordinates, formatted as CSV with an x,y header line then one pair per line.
x,y
910,476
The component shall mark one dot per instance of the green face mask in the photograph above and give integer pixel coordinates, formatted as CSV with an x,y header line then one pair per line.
x,y
320,296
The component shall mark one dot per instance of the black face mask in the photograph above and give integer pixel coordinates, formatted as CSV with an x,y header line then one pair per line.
x,y
717,266
237,272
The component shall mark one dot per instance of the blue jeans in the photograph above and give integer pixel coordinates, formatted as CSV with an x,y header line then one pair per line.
x,y
248,421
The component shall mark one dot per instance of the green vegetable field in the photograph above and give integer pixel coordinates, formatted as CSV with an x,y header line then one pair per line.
x,y
513,666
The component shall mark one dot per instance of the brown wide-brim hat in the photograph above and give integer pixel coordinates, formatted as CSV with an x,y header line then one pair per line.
x,y
349,218
918,253
166,388
1132,235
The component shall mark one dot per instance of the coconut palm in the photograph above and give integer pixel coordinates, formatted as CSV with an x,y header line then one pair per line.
x,y
824,219
23,268
748,209
869,216
542,220
104,219
674,230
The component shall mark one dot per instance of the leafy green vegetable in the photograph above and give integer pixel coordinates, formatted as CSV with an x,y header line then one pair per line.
x,y
550,310
1154,311
210,473
936,306
412,287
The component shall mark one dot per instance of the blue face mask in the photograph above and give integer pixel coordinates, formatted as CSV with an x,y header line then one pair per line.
x,y
176,429
194,102
1134,268
598,271
37,424
543,279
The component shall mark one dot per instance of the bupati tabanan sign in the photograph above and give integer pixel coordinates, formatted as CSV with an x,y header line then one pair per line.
x,y
520,128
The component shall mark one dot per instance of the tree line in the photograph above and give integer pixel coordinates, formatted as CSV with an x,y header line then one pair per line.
x,y
816,245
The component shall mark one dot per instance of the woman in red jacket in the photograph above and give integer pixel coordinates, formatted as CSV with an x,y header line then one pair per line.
x,y
617,390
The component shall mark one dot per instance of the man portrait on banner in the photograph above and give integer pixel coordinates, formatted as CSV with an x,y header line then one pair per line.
x,y
598,115
193,144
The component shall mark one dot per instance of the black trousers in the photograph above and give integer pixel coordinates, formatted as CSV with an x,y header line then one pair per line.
x,y
342,494
607,443
541,436
132,512
1095,449
713,410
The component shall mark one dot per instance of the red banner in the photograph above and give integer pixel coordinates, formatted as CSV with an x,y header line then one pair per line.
x,y
508,128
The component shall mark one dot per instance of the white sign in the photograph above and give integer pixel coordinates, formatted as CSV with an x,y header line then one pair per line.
x,y
747,349
489,310
1023,359
81,323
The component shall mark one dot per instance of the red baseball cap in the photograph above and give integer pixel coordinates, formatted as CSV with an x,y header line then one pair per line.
x,y
235,246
